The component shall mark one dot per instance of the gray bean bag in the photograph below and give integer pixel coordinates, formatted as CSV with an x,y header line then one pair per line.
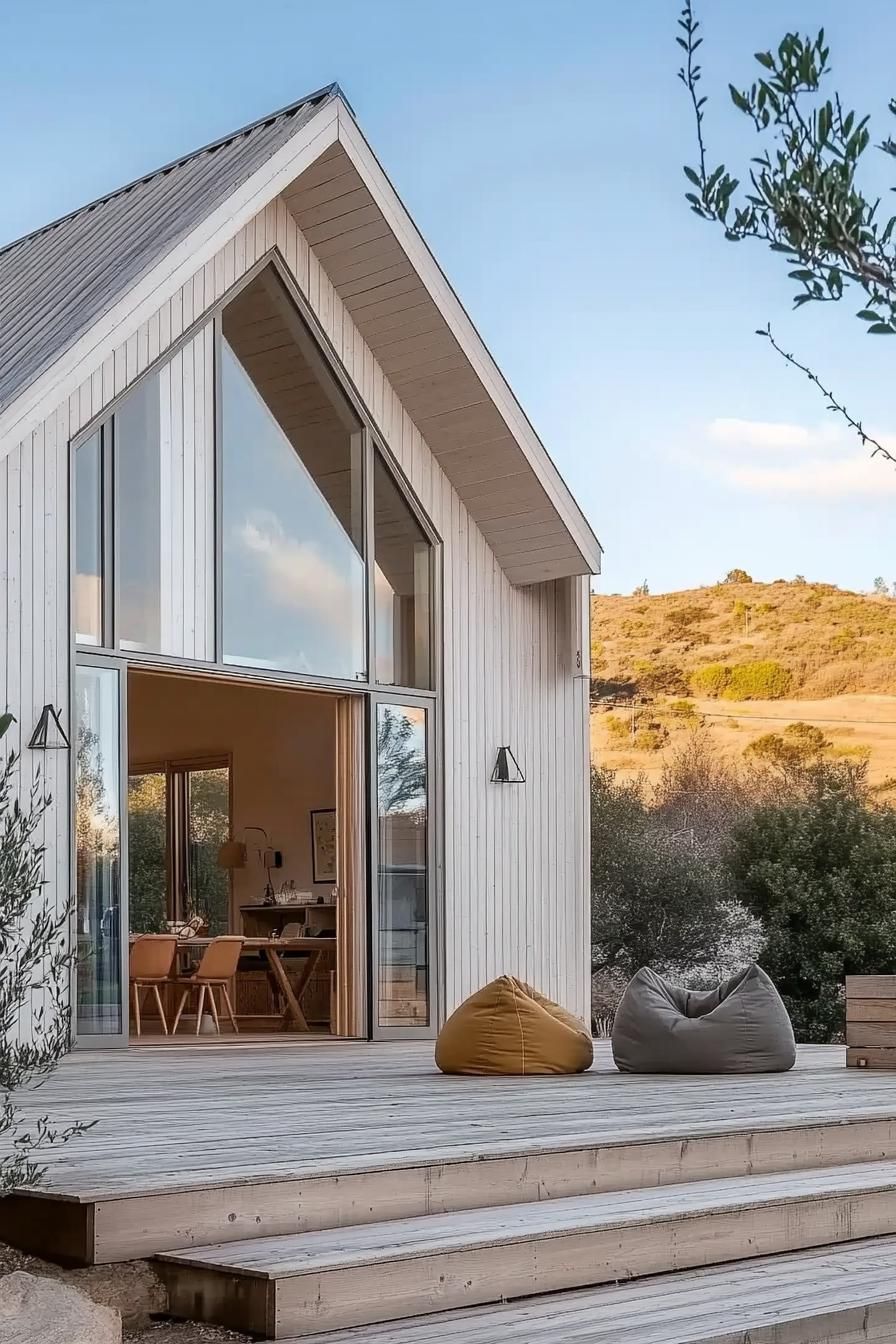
x,y
740,1027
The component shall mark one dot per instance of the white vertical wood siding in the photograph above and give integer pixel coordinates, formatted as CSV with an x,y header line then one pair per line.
x,y
515,875
34,663
187,494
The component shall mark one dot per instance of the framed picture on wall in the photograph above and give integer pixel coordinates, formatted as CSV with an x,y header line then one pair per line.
x,y
323,844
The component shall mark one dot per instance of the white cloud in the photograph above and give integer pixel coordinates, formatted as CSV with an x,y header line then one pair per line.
x,y
771,436
822,477
768,457
300,575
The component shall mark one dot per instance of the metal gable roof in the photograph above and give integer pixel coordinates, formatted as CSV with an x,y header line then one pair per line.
x,y
56,282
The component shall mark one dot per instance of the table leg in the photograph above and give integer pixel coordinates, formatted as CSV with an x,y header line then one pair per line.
x,y
293,1011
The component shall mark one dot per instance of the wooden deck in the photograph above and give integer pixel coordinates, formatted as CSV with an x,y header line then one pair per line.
x,y
277,1179
178,1117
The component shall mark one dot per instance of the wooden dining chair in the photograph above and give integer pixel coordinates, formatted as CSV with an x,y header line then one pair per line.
x,y
150,965
217,967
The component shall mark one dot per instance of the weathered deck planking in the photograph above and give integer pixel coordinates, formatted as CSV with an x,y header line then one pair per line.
x,y
213,1142
294,1285
841,1296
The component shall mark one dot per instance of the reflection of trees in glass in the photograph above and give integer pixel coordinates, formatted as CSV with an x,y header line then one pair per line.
x,y
401,767
97,860
147,846
96,831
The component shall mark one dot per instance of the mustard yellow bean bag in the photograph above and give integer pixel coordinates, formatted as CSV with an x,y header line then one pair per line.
x,y
509,1028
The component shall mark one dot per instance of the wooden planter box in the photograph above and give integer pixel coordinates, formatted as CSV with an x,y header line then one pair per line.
x,y
871,1021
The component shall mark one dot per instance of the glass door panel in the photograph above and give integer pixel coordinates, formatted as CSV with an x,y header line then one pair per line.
x,y
402,949
101,918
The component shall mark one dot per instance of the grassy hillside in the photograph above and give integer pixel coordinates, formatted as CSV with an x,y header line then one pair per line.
x,y
747,659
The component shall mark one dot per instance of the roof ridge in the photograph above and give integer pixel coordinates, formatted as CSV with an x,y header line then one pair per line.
x,y
331,90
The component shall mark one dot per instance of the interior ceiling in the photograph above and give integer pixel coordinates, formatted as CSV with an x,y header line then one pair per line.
x,y
425,364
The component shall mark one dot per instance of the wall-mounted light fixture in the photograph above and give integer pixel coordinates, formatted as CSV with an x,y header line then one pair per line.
x,y
507,768
49,735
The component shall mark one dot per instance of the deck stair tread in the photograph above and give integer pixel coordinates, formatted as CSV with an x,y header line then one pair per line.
x,y
287,1256
827,1290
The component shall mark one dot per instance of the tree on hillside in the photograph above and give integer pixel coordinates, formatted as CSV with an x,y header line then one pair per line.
x,y
802,197
818,869
737,576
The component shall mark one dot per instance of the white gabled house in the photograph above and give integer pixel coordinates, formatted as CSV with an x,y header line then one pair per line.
x,y
284,552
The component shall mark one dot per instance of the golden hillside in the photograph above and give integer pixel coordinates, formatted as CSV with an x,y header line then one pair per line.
x,y
747,659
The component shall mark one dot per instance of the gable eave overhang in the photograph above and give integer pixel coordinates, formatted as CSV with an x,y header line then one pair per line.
x,y
507,470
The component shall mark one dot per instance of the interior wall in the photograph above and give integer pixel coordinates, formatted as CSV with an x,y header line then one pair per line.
x,y
282,746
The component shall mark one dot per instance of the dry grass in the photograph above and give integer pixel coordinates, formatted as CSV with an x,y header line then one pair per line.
x,y
839,649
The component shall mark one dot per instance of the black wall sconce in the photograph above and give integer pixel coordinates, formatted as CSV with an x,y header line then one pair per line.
x,y
40,738
507,768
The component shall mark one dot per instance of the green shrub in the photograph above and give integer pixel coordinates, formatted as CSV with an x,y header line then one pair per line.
x,y
651,738
764,679
660,678
819,871
807,737
685,710
737,576
617,729
712,679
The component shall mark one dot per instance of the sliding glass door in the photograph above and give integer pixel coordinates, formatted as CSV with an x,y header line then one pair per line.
x,y
100,854
403,971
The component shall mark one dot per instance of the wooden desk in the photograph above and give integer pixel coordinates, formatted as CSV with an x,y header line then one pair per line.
x,y
272,949
260,921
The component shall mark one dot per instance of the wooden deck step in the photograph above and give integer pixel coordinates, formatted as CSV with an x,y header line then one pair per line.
x,y
839,1296
296,1285
105,1222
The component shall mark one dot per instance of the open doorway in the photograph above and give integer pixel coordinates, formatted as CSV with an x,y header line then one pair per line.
x,y
232,796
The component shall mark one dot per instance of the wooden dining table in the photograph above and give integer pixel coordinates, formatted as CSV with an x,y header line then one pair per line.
x,y
273,951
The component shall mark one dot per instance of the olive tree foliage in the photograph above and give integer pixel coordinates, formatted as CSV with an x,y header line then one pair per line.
x,y
34,970
801,194
661,894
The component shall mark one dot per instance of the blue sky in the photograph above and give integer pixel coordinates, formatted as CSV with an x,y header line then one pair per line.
x,y
539,147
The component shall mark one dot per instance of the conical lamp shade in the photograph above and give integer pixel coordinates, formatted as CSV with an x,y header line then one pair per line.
x,y
232,854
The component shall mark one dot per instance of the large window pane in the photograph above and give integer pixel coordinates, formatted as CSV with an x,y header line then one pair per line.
x,y
98,851
138,474
294,576
178,818
403,579
88,595
147,851
163,436
403,969
208,826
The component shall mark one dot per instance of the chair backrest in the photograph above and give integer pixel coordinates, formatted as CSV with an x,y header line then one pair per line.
x,y
152,956
220,959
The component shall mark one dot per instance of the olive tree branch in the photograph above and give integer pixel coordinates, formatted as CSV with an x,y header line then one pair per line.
x,y
877,448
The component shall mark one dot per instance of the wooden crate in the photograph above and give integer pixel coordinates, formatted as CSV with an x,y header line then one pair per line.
x,y
871,1021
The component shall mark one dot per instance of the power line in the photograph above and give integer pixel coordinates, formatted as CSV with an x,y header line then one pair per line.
x,y
654,706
